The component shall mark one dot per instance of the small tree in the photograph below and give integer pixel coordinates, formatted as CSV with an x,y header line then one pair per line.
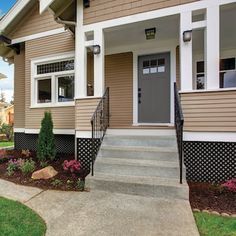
x,y
46,148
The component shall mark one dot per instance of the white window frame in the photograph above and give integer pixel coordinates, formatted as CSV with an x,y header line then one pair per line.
x,y
54,81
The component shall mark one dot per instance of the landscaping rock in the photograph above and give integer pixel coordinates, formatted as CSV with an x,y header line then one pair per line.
x,y
45,173
196,210
225,214
234,215
215,213
206,211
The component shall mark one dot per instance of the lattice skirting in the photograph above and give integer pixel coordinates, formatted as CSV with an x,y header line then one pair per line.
x,y
210,161
64,143
85,150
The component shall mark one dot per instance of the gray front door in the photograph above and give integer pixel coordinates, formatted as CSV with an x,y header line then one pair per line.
x,y
154,88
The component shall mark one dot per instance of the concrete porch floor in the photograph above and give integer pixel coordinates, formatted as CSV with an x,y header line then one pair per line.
x,y
105,213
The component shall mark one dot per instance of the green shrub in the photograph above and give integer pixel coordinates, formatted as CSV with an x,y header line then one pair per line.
x,y
46,142
28,166
56,182
8,131
12,166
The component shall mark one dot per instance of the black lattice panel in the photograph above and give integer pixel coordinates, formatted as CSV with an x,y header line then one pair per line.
x,y
64,143
210,161
85,151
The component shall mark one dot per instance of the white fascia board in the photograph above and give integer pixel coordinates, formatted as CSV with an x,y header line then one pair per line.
x,y
44,4
12,14
210,136
55,131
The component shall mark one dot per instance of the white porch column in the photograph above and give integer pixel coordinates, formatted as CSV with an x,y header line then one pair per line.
x,y
212,47
99,64
80,55
186,66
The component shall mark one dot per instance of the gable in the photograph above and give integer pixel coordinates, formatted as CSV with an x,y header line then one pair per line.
x,y
33,23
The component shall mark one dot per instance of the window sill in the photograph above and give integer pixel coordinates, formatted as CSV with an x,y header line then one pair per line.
x,y
209,90
50,105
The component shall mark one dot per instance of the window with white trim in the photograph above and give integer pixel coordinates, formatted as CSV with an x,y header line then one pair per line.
x,y
227,73
53,82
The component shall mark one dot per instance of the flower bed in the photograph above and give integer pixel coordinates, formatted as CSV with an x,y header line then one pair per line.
x,y
219,198
17,167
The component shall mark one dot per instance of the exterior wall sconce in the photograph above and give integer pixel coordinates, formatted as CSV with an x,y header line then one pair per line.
x,y
187,36
150,33
96,49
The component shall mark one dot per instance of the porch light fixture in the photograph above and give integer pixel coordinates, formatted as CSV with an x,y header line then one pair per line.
x,y
150,33
96,49
187,36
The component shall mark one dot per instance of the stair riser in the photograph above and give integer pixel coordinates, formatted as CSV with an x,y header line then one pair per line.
x,y
158,156
164,172
139,189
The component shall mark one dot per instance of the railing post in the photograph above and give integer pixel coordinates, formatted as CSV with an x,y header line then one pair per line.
x,y
92,157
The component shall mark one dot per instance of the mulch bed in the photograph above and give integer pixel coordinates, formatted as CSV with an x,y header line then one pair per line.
x,y
205,196
62,181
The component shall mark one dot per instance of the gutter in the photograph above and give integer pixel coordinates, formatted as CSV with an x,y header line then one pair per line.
x,y
65,22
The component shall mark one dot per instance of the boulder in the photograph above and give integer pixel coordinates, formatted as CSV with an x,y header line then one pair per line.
x,y
45,173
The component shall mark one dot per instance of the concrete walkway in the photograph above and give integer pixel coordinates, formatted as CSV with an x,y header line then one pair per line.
x,y
104,213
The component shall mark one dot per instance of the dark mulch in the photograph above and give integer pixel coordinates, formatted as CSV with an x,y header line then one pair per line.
x,y
205,196
62,181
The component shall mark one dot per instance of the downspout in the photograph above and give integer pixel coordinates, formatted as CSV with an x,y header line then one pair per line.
x,y
65,22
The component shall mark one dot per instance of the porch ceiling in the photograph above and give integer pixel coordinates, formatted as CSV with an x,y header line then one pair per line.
x,y
133,34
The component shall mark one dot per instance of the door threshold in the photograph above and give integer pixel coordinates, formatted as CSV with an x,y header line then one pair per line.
x,y
155,124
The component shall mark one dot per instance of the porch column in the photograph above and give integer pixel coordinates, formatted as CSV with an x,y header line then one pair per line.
x,y
186,70
212,47
99,64
80,55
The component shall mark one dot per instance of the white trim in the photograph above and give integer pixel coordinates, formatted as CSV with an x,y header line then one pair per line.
x,y
44,4
38,35
210,136
19,130
208,90
36,131
155,14
141,132
199,24
83,134
169,47
155,124
88,97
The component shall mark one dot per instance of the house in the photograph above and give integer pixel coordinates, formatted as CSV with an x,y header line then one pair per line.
x,y
66,53
6,114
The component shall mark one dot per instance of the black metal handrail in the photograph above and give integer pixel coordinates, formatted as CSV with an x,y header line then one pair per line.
x,y
99,123
179,124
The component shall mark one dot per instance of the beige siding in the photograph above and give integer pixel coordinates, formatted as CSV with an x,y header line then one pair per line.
x,y
119,78
84,111
101,10
19,88
63,117
209,111
34,23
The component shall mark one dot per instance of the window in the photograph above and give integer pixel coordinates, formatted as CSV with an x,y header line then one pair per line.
x,y
53,82
227,74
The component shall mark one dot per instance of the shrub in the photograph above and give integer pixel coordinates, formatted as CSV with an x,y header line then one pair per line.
x,y
27,166
230,185
72,166
56,182
80,184
8,131
12,166
46,142
25,153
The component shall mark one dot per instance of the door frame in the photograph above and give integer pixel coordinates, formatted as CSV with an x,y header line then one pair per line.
x,y
136,53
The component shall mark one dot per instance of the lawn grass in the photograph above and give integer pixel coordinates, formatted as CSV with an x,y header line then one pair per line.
x,y
211,225
19,220
6,144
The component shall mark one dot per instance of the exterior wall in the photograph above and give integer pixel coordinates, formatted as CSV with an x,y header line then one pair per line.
x,y
34,23
84,110
209,111
119,78
63,117
101,10
19,90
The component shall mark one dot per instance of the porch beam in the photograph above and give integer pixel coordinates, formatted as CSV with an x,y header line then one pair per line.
x,y
212,47
186,70
99,64
80,55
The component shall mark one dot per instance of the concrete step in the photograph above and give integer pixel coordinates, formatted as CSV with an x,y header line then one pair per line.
x,y
137,155
139,168
136,185
141,141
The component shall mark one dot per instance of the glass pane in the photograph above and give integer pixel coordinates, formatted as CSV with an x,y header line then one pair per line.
x,y
161,62
227,64
146,64
200,81
66,88
55,67
200,67
228,79
153,63
44,91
